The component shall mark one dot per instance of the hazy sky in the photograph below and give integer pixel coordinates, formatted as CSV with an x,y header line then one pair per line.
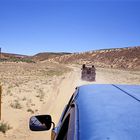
x,y
32,26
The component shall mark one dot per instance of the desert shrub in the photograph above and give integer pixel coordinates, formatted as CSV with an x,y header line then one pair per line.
x,y
24,99
15,59
30,110
41,94
54,72
4,127
3,59
9,92
16,105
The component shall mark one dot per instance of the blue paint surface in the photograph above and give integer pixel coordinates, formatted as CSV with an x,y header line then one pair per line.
x,y
108,113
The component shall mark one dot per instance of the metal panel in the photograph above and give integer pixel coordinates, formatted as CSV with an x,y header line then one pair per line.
x,y
106,113
132,90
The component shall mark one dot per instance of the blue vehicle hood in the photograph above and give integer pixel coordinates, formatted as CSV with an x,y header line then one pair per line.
x,y
108,112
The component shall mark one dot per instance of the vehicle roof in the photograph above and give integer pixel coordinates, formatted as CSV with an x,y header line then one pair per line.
x,y
108,112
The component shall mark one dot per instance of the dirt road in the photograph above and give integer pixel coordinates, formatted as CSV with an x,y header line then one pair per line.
x,y
57,93
64,89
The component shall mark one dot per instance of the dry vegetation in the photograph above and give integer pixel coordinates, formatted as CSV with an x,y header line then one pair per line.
x,y
46,55
25,89
121,58
4,127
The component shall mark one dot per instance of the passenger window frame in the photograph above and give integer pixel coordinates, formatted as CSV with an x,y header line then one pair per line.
x,y
65,127
67,107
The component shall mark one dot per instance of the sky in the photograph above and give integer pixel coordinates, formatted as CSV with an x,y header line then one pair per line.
x,y
32,26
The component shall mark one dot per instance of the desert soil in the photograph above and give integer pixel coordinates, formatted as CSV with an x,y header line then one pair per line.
x,y
31,89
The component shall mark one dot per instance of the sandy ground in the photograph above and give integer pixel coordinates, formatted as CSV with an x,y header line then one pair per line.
x,y
35,92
